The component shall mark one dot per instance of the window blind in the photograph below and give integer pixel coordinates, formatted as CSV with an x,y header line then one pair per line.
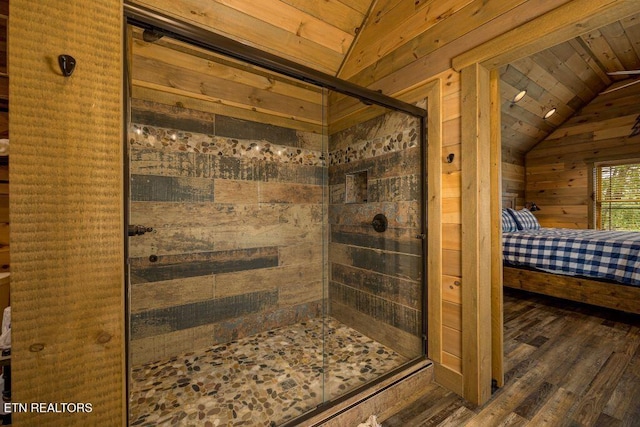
x,y
618,197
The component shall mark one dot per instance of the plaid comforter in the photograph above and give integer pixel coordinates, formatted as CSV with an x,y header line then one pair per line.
x,y
610,255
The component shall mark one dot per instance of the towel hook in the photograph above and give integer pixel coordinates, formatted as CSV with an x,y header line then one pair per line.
x,y
67,64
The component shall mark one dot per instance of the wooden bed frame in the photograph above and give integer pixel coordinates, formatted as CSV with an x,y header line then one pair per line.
x,y
603,294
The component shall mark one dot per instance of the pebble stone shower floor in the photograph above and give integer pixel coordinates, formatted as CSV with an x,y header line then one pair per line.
x,y
262,380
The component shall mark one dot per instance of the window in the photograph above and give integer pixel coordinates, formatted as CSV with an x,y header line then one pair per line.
x,y
618,196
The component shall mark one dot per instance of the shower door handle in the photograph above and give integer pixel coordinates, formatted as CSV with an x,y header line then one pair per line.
x,y
138,230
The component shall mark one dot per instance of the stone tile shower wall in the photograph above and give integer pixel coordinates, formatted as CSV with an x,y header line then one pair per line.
x,y
375,278
236,208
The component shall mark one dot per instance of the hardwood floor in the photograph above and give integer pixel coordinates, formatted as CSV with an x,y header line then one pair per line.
x,y
566,364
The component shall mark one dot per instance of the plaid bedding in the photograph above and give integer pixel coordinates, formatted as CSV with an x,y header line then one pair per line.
x,y
610,255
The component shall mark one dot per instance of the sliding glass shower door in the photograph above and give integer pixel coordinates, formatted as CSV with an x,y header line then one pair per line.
x,y
376,258
275,247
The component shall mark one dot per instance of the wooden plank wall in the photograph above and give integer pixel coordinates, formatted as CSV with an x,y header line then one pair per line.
x,y
67,234
376,277
4,75
228,171
5,255
4,159
557,169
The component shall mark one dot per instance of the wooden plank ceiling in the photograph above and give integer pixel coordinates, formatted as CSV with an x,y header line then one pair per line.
x,y
317,34
566,77
367,41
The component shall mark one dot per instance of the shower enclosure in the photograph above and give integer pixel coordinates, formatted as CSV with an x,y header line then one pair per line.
x,y
276,254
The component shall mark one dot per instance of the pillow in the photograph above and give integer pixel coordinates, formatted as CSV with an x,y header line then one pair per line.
x,y
508,223
524,219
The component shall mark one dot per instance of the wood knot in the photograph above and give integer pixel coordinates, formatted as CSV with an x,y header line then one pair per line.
x,y
103,338
37,347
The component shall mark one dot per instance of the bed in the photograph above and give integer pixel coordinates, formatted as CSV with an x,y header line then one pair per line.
x,y
590,266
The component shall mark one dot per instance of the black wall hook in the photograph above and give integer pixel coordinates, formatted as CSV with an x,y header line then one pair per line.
x,y
450,158
67,64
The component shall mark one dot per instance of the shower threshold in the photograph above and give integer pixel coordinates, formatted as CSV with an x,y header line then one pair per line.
x,y
263,380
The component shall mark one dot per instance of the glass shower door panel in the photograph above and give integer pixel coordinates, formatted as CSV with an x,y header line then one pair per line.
x,y
375,284
227,292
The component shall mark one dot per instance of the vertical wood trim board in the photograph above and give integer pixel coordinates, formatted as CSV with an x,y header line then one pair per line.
x,y
67,234
497,340
448,378
434,219
476,234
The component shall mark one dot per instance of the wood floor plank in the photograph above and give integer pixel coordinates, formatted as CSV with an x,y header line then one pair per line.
x,y
554,411
535,400
516,356
578,367
626,393
418,408
458,418
567,364
445,412
513,420
600,389
605,420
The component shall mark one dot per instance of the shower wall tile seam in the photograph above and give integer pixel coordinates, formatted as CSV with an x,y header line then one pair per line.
x,y
384,165
400,265
170,267
154,114
401,244
399,214
401,291
151,161
204,256
185,316
375,295
297,282
378,250
398,316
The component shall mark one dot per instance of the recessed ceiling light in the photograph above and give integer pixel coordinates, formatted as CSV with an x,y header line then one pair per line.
x,y
550,113
519,95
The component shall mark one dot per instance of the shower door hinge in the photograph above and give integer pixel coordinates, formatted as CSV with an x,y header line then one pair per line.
x,y
421,236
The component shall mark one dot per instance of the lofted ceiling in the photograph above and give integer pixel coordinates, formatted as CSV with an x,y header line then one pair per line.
x,y
566,77
317,34
388,44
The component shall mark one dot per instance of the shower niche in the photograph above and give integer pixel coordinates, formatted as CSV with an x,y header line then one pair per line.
x,y
262,292
356,187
